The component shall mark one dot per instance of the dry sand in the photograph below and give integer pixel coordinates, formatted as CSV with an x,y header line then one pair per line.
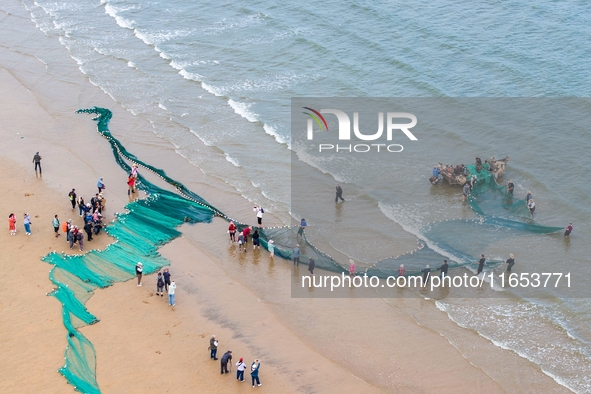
x,y
143,345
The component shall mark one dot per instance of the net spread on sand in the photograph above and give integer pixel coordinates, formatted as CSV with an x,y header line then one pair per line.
x,y
152,222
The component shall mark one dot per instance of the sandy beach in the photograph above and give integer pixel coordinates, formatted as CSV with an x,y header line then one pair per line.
x,y
306,345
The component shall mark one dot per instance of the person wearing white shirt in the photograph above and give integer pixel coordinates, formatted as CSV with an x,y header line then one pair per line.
x,y
171,291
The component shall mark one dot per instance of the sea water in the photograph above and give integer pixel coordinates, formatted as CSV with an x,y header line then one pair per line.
x,y
215,79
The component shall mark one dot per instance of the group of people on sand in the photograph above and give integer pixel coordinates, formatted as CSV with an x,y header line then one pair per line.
x,y
164,283
240,365
26,223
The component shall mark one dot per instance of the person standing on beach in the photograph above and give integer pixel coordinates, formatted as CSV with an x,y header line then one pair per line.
x,y
88,230
339,194
227,357
568,230
72,197
259,211
171,292
56,226
271,246
139,269
240,367
444,267
27,223
213,346
254,372
100,184
296,255
303,225
73,236
351,268
232,232
66,229
12,224
481,264
510,187
510,262
166,276
311,265
130,184
80,238
160,285
37,161
255,240
81,205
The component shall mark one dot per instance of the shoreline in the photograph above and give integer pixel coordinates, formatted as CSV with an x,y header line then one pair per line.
x,y
127,324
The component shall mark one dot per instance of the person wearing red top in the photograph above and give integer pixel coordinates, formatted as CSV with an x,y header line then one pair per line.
x,y
232,231
245,232
12,223
130,184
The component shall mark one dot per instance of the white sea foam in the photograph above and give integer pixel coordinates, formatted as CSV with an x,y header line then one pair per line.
x,y
232,160
121,21
190,76
162,107
243,109
273,132
211,89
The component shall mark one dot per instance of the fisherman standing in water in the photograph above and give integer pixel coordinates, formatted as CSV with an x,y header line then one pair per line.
x,y
532,206
444,267
481,264
510,187
569,229
339,194
510,262
466,191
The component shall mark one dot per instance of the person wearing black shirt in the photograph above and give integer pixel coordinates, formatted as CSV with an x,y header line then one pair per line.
x,y
510,187
481,264
339,194
88,229
227,357
443,269
510,262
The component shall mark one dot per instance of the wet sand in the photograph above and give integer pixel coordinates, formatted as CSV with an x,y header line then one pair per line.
x,y
143,345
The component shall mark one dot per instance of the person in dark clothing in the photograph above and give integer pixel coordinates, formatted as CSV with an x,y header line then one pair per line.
x,y
311,265
72,196
568,230
444,267
227,357
510,262
166,276
481,264
426,274
339,194
37,161
88,230
256,239
213,346
510,187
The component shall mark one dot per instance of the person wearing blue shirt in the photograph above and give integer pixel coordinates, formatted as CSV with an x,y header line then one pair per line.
x,y
296,255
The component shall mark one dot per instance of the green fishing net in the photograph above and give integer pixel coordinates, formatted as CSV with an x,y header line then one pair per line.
x,y
152,222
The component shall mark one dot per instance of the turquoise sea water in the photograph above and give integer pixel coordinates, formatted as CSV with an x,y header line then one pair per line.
x,y
215,79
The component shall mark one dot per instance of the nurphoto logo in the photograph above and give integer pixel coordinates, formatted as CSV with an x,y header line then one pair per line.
x,y
393,125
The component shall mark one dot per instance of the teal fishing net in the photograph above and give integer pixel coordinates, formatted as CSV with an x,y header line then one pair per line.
x,y
152,222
